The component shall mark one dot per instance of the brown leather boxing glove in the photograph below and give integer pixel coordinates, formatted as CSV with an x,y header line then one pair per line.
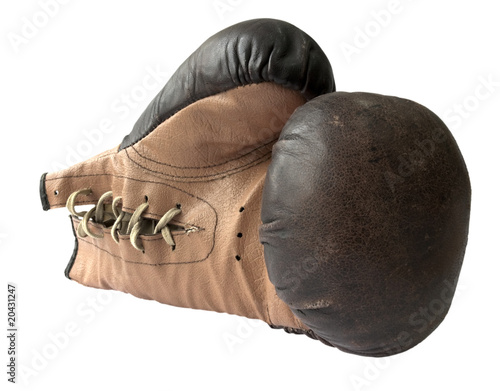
x,y
365,217
365,208
177,204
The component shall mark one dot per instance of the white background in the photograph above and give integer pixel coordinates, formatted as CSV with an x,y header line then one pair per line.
x,y
72,72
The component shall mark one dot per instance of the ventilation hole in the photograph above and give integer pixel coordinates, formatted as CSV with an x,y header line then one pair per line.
x,y
238,257
178,206
239,234
56,192
146,198
242,209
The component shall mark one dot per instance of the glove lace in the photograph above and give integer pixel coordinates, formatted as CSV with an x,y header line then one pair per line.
x,y
112,215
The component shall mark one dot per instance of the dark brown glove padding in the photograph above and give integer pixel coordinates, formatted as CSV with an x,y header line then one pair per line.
x,y
366,212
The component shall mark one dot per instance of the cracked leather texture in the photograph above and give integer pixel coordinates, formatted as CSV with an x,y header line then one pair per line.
x,y
365,220
250,52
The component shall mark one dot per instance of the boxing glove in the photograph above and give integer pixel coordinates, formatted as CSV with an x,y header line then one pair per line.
x,y
177,203
365,218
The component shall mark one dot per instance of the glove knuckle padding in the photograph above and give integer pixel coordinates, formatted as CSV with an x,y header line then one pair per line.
x,y
255,51
365,220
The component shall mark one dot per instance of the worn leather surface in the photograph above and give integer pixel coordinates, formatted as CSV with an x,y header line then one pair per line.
x,y
365,220
211,159
250,52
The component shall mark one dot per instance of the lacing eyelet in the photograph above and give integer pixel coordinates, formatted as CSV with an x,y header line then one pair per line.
x,y
100,214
